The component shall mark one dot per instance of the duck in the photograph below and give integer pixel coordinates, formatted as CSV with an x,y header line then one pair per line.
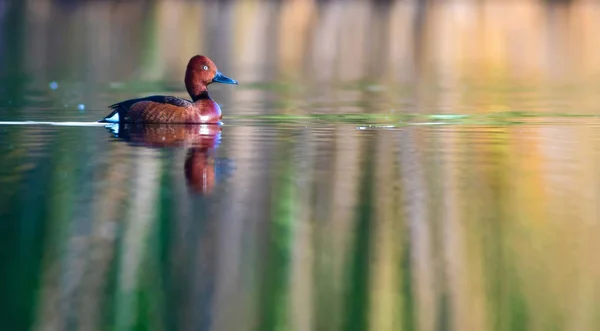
x,y
201,109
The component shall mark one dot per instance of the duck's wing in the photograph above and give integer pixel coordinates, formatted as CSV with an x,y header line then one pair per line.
x,y
124,110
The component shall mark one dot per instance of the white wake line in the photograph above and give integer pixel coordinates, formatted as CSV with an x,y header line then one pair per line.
x,y
54,123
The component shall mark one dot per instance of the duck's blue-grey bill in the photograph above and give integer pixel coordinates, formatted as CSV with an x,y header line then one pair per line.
x,y
220,78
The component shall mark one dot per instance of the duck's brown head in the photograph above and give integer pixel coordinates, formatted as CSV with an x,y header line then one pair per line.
x,y
202,71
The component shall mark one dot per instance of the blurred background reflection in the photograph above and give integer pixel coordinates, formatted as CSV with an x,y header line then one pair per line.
x,y
384,165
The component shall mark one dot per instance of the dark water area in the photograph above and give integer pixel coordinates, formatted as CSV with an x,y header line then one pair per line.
x,y
382,165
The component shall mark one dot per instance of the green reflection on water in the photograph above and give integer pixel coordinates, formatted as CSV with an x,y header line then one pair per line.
x,y
273,301
357,284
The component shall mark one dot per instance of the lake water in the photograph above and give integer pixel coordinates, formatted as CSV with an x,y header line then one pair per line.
x,y
381,166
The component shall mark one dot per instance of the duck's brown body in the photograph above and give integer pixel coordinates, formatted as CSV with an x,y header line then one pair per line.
x,y
200,72
159,109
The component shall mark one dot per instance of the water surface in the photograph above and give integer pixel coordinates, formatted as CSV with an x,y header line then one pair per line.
x,y
397,182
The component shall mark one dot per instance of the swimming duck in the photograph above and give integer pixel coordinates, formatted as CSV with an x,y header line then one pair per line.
x,y
200,72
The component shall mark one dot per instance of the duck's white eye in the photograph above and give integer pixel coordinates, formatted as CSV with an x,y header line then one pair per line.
x,y
205,68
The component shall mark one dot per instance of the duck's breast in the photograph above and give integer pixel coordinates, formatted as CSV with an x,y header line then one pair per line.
x,y
206,111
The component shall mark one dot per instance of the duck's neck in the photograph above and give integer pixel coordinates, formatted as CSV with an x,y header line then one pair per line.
x,y
195,87
200,95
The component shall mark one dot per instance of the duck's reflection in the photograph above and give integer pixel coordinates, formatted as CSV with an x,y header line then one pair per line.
x,y
202,169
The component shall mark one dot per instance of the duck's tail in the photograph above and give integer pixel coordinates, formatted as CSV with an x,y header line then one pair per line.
x,y
111,118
